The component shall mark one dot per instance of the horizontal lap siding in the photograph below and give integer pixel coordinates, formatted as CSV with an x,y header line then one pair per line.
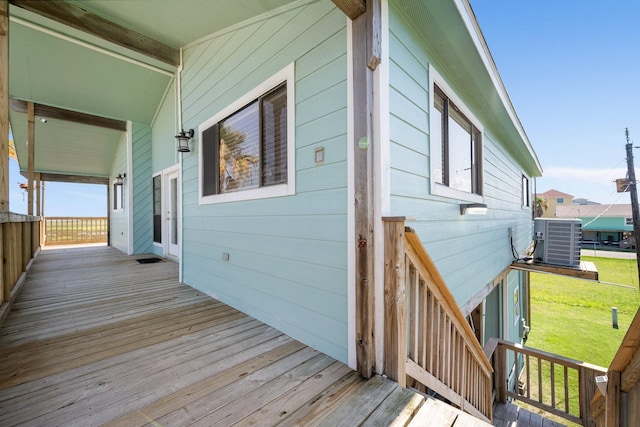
x,y
287,256
469,251
142,189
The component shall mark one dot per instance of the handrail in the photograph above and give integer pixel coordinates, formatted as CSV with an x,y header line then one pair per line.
x,y
427,338
75,230
530,369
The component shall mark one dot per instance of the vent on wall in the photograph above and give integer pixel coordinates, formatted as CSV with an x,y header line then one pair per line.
x,y
558,241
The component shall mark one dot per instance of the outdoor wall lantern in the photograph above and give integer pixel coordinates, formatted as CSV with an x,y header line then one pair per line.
x,y
183,140
473,209
120,179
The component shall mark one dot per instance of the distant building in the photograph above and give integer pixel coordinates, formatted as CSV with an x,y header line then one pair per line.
x,y
602,224
583,201
554,198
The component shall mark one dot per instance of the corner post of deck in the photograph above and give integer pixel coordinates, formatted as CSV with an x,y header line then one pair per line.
x,y
31,143
4,106
395,300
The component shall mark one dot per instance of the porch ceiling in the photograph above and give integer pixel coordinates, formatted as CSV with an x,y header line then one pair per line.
x,y
56,65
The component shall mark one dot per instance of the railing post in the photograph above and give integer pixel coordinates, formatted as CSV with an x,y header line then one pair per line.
x,y
395,300
501,373
612,408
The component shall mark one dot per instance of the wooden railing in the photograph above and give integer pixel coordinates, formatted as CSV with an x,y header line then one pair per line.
x,y
75,230
428,342
555,384
19,242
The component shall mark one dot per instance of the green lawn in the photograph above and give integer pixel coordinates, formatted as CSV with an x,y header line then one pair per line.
x,y
572,317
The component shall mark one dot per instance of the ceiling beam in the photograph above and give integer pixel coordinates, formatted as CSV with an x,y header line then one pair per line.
x,y
80,19
49,112
77,179
351,8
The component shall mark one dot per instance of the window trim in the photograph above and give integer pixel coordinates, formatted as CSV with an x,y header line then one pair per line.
x,y
118,197
526,196
286,75
439,189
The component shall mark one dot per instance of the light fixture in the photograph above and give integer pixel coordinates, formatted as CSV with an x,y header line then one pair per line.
x,y
473,208
183,140
120,179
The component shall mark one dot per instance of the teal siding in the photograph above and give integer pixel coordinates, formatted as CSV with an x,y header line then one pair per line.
x,y
288,255
605,223
469,251
142,189
119,219
163,131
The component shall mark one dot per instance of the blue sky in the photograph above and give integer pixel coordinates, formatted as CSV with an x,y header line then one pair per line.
x,y
61,199
572,71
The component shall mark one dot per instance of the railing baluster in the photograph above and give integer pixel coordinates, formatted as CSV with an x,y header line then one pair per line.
x,y
528,384
566,390
539,380
553,385
72,230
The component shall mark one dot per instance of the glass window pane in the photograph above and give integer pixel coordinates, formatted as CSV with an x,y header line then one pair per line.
x,y
460,153
274,137
239,150
157,209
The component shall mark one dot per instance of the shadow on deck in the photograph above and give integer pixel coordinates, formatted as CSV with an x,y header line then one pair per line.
x,y
95,338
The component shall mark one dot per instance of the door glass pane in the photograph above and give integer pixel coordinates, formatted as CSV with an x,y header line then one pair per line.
x,y
174,211
157,209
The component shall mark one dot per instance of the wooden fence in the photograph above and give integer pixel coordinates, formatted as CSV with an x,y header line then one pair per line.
x,y
19,242
555,384
428,342
75,230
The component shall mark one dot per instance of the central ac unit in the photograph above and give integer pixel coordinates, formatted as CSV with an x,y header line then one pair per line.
x,y
557,241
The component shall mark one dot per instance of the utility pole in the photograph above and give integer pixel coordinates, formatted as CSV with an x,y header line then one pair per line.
x,y
631,179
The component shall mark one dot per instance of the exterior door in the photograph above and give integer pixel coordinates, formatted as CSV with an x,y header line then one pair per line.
x,y
172,214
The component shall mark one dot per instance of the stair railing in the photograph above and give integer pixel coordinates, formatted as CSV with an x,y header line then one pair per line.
x,y
428,342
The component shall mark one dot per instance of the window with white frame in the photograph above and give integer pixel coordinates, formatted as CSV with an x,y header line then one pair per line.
x,y
247,149
455,144
118,197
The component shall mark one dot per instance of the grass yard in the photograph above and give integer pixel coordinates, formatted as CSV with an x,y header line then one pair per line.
x,y
572,318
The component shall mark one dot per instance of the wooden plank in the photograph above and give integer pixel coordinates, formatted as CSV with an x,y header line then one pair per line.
x,y
351,8
361,404
4,106
395,302
82,20
397,410
587,270
51,112
612,408
323,404
278,410
434,413
229,404
363,110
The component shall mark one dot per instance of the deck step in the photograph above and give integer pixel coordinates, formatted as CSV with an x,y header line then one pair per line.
x,y
509,415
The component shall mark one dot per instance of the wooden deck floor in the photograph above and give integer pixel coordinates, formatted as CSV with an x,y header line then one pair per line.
x,y
508,415
95,338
